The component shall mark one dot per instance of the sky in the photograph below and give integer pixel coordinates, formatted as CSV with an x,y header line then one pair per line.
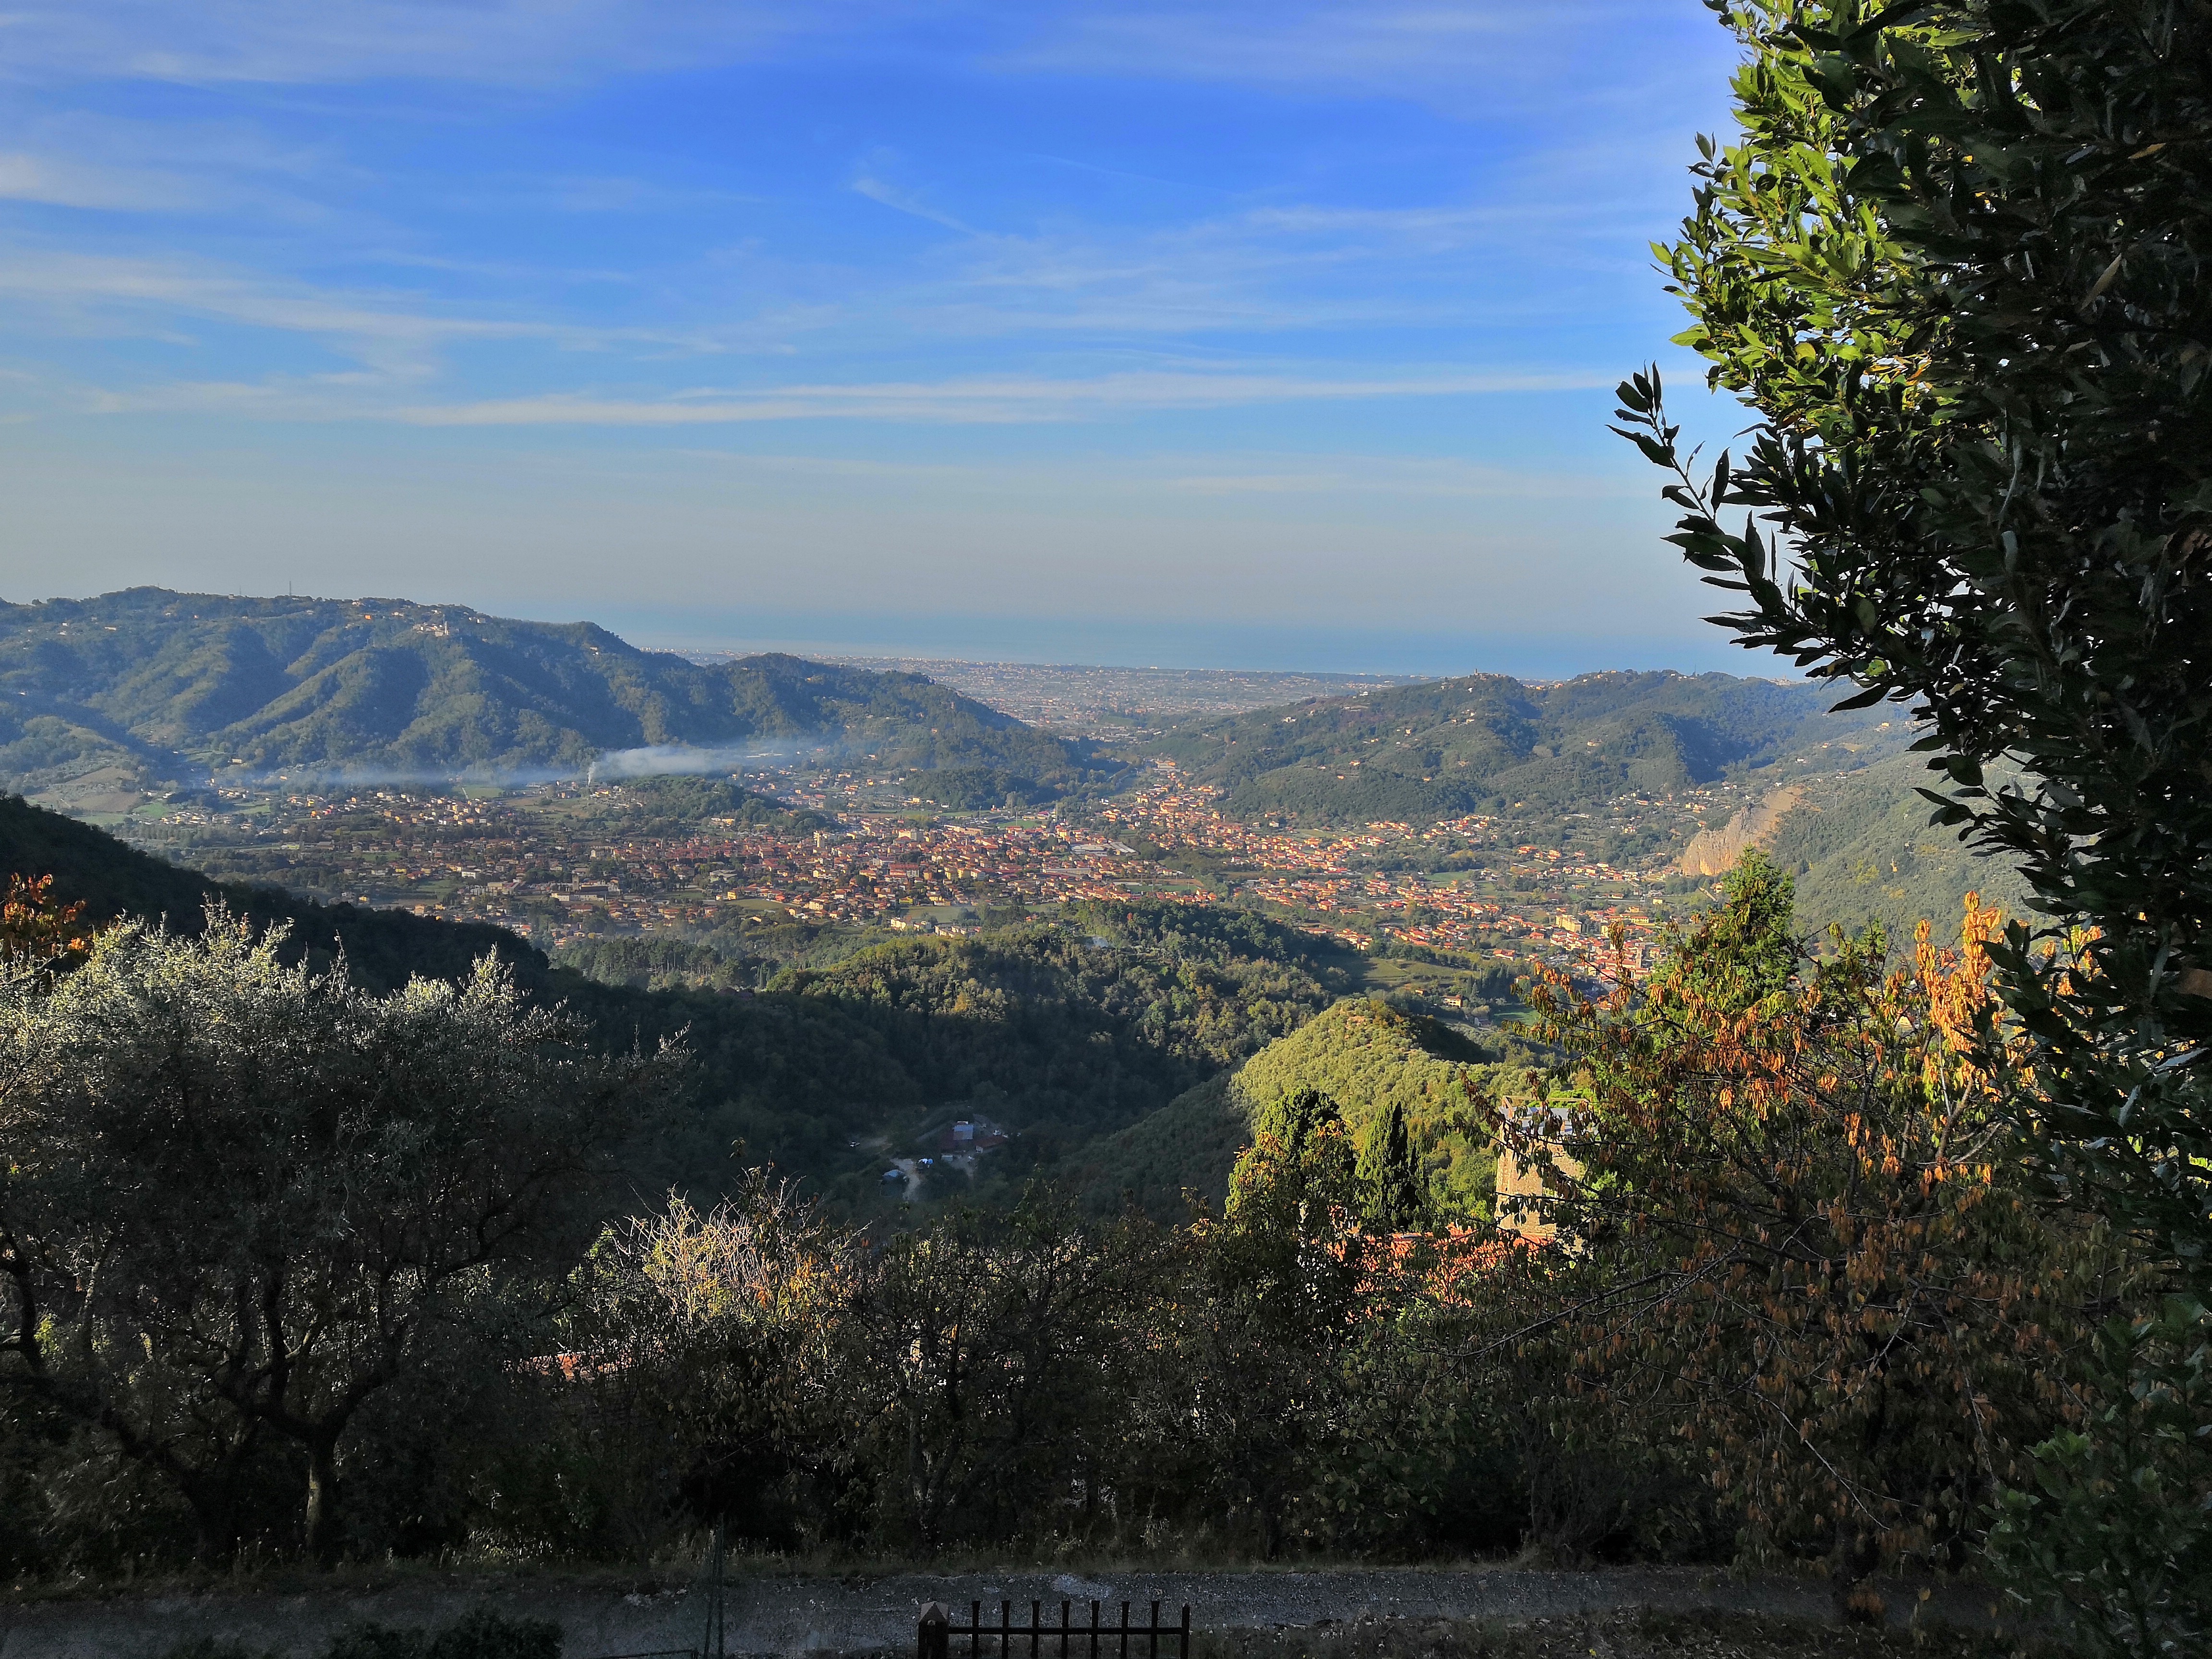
x,y
1240,334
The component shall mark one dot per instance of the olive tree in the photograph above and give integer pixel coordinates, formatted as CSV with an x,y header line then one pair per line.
x,y
987,1360
241,1199
712,1342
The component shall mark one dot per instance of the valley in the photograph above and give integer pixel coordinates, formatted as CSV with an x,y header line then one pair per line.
x,y
911,907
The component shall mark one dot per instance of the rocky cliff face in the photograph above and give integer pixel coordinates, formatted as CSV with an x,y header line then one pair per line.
x,y
1714,852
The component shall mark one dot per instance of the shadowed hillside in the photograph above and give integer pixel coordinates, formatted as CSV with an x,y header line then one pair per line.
x,y
112,880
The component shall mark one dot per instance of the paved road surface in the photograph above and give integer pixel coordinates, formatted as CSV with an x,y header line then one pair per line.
x,y
829,1616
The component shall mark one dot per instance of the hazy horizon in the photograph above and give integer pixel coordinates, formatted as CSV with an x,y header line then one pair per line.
x,y
1058,642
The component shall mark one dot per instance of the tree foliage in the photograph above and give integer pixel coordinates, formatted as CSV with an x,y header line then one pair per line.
x,y
1956,263
38,931
243,1199
1793,1229
2111,1530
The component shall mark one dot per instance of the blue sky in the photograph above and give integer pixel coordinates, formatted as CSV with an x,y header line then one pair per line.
x,y
1261,334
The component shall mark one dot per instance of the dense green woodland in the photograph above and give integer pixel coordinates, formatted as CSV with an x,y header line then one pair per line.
x,y
168,685
599,1098
1368,1058
345,1273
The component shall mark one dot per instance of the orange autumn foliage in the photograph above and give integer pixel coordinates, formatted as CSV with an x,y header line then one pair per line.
x,y
35,929
1799,1230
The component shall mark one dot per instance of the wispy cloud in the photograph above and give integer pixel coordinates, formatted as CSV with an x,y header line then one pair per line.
x,y
1482,54
398,335
899,200
983,399
548,248
519,43
1267,268
60,181
603,194
995,400
1333,476
99,290
1336,477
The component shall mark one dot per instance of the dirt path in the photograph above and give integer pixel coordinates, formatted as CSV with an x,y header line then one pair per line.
x,y
804,1615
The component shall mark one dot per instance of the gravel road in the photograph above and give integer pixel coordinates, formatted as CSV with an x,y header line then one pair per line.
x,y
795,1615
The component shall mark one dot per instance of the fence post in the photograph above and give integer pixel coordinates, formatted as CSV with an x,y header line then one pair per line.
x,y
930,1639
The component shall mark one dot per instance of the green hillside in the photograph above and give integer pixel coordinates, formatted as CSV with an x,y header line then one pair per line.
x,y
162,685
1863,851
1419,753
1367,1056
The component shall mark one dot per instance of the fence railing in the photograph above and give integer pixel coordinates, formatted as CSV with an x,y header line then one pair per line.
x,y
936,1633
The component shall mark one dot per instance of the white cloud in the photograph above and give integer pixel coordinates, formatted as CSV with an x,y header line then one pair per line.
x,y
1268,268
1331,476
398,335
374,329
900,201
1398,478
607,194
63,182
984,400
991,399
1476,55
520,43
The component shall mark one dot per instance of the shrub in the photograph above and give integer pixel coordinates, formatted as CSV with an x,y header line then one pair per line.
x,y
480,1633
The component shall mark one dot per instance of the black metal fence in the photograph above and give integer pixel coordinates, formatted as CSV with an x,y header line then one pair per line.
x,y
936,1634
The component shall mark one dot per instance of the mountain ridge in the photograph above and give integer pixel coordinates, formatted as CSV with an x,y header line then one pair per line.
x,y
1478,743
153,682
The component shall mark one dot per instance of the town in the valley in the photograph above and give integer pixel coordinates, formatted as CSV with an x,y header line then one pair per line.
x,y
550,862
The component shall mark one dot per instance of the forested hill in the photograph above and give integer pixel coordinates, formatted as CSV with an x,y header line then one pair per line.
x,y
1419,753
1364,1055
170,685
1862,850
